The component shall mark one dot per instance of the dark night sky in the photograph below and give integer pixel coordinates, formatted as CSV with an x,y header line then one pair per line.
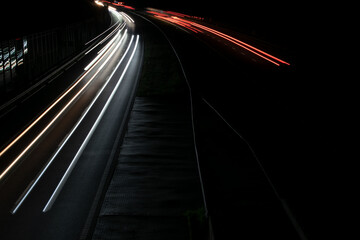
x,y
26,17
275,21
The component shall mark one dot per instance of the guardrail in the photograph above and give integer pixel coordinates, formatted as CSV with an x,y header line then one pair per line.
x,y
24,60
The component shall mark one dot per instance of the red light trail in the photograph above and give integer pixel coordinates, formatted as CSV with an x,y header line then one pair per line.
x,y
177,21
195,27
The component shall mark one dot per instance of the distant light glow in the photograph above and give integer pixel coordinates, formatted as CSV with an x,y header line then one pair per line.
x,y
99,3
111,8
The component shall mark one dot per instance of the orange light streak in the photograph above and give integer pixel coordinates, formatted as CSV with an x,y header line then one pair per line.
x,y
195,27
178,22
128,7
178,14
240,45
158,13
238,41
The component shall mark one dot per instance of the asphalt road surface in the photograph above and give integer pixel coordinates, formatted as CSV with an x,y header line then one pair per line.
x,y
253,86
50,175
50,172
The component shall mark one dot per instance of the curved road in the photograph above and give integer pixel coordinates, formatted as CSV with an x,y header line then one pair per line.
x,y
50,173
51,176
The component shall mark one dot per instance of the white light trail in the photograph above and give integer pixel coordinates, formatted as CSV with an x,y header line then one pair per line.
x,y
111,8
2,152
127,17
102,51
85,142
55,118
122,26
20,202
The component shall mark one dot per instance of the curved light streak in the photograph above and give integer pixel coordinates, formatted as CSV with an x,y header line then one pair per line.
x,y
46,111
20,202
195,27
56,117
89,135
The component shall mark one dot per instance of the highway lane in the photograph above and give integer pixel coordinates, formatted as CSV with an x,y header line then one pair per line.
x,y
36,104
254,89
52,179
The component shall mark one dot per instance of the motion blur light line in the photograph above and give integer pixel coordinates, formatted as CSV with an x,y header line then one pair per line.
x,y
248,49
121,26
223,35
87,139
99,3
178,14
20,202
127,17
90,41
190,25
112,40
241,44
178,22
101,53
158,14
46,111
111,8
108,36
55,118
103,50
126,6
